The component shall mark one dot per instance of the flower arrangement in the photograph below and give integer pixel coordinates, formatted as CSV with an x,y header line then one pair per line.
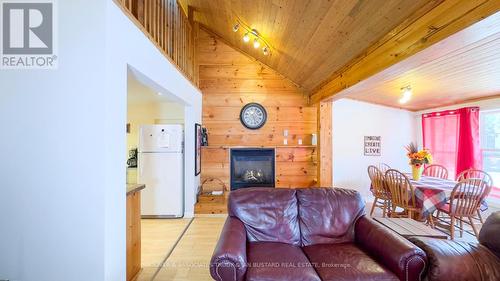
x,y
418,158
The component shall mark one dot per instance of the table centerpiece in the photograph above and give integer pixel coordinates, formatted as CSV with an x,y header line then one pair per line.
x,y
418,158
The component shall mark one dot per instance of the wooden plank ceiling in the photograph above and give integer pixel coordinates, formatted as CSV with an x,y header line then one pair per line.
x,y
311,39
463,67
409,38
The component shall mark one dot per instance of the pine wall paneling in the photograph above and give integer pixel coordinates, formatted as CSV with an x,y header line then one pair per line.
x,y
228,80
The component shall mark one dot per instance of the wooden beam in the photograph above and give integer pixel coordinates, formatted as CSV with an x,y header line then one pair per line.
x,y
443,20
325,168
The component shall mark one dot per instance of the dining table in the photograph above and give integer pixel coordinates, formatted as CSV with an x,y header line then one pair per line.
x,y
432,193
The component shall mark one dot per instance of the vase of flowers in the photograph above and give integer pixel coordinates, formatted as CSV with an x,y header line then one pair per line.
x,y
418,158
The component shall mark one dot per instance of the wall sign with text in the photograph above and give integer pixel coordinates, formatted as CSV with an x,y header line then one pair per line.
x,y
372,146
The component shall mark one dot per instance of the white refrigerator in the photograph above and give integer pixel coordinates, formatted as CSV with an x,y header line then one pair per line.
x,y
161,169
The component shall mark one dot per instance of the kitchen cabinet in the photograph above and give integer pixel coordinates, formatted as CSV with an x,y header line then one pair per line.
x,y
133,231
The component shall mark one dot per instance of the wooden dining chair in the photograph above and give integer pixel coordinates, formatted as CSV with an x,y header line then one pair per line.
x,y
436,171
465,199
402,194
379,191
477,174
383,167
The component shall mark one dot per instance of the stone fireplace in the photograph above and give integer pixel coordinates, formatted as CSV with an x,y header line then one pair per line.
x,y
252,167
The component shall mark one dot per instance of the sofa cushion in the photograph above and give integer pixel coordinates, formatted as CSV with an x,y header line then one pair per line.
x,y
327,215
278,261
345,262
458,260
269,214
489,233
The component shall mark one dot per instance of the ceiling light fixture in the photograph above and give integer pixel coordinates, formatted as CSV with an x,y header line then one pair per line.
x,y
256,43
406,94
160,94
252,33
246,38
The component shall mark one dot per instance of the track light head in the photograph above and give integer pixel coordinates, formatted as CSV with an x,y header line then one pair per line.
x,y
256,43
246,38
265,51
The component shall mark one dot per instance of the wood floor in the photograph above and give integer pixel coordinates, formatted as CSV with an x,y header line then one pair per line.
x,y
189,259
158,237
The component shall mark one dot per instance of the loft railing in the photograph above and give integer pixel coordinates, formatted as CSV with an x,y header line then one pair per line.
x,y
166,24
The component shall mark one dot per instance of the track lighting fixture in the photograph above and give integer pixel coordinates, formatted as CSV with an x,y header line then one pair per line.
x,y
251,33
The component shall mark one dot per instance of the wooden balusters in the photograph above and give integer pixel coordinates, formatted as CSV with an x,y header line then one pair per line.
x,y
167,25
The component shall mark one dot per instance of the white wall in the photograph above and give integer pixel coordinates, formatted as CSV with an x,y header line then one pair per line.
x,y
52,214
352,120
129,49
59,126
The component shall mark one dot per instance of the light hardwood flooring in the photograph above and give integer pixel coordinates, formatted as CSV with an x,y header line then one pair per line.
x,y
190,258
158,237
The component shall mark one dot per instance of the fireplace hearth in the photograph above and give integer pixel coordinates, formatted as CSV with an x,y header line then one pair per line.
x,y
252,167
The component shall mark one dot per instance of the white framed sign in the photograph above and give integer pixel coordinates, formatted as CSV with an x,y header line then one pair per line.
x,y
372,146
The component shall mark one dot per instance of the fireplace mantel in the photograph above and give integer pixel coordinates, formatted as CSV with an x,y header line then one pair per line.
x,y
274,146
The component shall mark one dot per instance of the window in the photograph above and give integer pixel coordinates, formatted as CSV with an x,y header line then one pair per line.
x,y
440,134
490,147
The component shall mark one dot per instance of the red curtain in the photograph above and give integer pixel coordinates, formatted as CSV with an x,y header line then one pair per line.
x,y
469,147
452,136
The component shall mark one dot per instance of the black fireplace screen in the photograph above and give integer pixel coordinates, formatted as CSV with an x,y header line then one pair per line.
x,y
252,167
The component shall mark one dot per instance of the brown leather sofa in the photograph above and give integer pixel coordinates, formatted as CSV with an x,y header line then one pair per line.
x,y
455,260
309,234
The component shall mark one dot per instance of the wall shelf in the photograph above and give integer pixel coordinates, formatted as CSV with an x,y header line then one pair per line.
x,y
251,146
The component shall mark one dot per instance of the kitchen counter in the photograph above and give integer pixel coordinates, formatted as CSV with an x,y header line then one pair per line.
x,y
132,188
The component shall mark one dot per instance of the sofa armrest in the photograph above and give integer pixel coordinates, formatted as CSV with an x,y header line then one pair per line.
x,y
229,260
454,260
399,255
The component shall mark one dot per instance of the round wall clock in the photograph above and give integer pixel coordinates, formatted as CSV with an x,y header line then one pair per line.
x,y
253,116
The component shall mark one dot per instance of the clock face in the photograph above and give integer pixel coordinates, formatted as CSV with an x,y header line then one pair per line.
x,y
253,116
